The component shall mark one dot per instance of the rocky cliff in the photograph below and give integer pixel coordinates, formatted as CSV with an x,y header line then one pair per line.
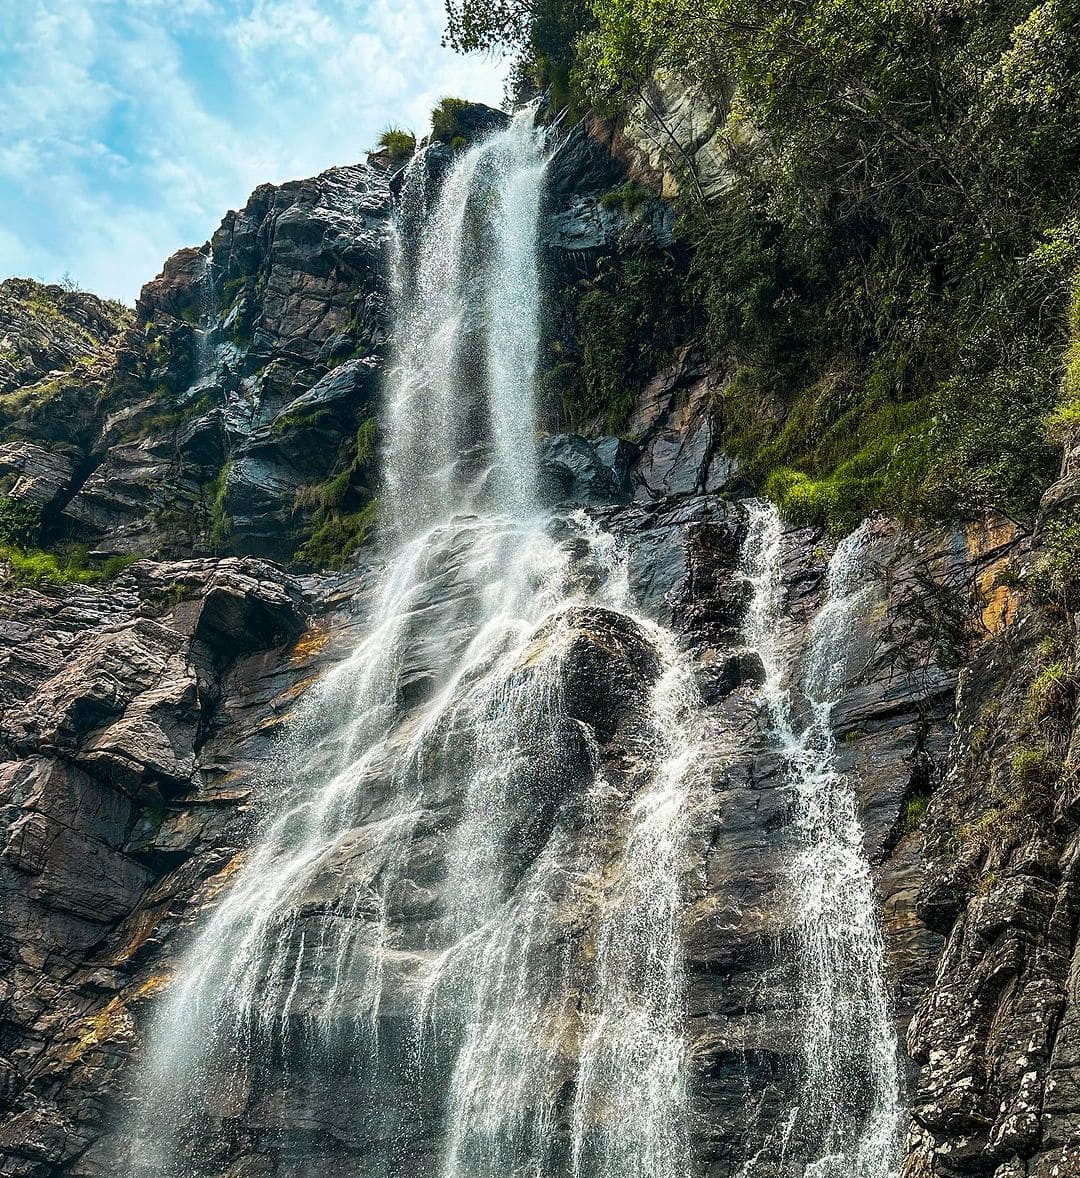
x,y
233,422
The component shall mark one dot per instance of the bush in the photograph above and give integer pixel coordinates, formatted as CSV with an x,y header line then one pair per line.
x,y
1056,575
19,521
620,324
398,144
1065,419
913,812
220,521
1030,767
336,536
629,197
447,124
1051,688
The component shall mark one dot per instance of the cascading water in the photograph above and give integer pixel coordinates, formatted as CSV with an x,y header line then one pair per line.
x,y
848,1112
454,938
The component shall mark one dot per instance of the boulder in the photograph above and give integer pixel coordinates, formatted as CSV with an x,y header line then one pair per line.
x,y
33,475
587,470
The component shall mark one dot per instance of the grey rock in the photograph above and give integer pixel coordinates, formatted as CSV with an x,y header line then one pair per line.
x,y
34,476
582,470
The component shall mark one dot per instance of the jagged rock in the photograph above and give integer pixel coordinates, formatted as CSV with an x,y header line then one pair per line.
x,y
581,165
717,677
126,708
139,716
135,719
677,132
33,475
255,353
48,329
583,470
606,668
674,426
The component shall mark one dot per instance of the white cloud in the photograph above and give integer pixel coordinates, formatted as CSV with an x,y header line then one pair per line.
x,y
130,126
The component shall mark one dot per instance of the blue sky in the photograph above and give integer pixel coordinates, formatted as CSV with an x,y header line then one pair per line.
x,y
128,127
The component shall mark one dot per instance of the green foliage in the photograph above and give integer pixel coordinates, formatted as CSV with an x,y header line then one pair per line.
x,y
1065,419
310,417
335,537
364,442
19,521
629,197
1020,756
41,304
1056,575
898,242
1048,690
344,509
1029,767
34,566
234,289
622,324
397,143
446,124
914,811
541,35
220,520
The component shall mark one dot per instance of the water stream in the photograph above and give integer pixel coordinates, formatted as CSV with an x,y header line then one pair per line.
x,y
454,935
452,944
849,1107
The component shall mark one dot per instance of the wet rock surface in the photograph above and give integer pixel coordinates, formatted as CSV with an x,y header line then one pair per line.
x,y
243,379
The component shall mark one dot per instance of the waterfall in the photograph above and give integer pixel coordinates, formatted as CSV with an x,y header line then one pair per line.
x,y
468,305
452,943
849,1100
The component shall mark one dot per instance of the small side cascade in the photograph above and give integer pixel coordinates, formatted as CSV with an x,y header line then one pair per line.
x,y
849,1107
207,311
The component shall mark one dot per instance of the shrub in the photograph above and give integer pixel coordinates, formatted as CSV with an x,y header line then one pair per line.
x,y
446,121
1056,575
19,521
397,143
1048,691
1065,419
220,520
914,811
336,536
622,323
1030,767
630,197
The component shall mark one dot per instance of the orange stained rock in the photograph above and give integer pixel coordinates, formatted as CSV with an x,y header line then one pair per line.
x,y
986,535
310,643
113,1020
1001,603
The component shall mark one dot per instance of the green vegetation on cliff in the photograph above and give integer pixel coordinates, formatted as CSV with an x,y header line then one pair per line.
x,y
344,509
399,145
887,270
623,322
70,566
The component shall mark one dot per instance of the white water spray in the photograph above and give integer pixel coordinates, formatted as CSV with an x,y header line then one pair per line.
x,y
446,907
849,1101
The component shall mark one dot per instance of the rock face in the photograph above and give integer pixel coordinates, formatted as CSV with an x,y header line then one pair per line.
x,y
134,722
241,383
139,715
48,330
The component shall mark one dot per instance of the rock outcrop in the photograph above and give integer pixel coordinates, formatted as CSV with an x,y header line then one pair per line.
x,y
49,330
